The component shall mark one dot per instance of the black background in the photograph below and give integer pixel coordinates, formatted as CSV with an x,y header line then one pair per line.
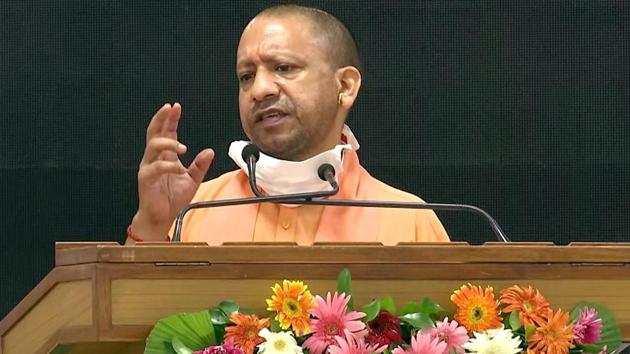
x,y
521,108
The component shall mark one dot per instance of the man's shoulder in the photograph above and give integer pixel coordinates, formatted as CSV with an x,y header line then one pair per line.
x,y
222,179
209,189
383,191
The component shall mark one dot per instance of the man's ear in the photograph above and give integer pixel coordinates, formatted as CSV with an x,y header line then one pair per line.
x,y
348,85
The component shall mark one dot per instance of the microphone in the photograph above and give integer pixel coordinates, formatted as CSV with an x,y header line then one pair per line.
x,y
326,172
251,154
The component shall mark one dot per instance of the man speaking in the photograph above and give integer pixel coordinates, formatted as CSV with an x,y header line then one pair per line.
x,y
299,75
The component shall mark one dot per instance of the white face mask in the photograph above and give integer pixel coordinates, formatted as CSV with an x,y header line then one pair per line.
x,y
277,176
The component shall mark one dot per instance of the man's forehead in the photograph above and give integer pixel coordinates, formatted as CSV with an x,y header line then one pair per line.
x,y
258,32
265,32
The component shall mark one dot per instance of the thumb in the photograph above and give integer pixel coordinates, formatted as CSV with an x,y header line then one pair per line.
x,y
200,165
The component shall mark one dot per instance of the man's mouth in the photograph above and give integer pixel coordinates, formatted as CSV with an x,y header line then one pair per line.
x,y
270,117
273,115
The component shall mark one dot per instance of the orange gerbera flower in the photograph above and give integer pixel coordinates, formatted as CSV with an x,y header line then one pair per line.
x,y
244,333
291,302
553,335
477,310
529,303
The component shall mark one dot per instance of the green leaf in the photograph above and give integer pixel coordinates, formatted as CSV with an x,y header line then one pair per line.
x,y
219,318
246,311
228,307
193,330
406,333
430,308
529,330
515,322
417,320
371,310
589,348
343,286
506,321
274,325
62,349
611,335
410,307
180,348
387,304
219,332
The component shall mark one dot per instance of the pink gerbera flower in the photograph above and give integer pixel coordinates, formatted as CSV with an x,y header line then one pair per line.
x,y
588,327
422,343
331,320
450,333
354,343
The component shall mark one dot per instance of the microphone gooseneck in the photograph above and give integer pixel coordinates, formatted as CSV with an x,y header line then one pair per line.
x,y
494,225
250,155
326,172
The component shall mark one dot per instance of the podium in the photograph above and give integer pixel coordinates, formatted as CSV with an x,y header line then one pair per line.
x,y
105,298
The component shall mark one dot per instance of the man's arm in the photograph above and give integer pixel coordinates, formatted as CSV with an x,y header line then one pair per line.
x,y
165,185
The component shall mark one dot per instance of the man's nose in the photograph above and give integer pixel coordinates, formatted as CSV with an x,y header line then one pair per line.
x,y
264,86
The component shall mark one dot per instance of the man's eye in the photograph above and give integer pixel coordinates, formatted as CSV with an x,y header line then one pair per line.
x,y
284,68
245,77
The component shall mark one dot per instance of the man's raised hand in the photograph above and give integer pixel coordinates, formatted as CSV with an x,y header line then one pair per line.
x,y
165,185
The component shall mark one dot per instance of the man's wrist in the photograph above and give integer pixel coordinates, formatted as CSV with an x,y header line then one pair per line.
x,y
132,235
141,230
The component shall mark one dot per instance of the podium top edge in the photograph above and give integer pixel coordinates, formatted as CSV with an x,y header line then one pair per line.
x,y
434,253
90,244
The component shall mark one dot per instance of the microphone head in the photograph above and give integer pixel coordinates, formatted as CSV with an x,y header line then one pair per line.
x,y
325,169
250,150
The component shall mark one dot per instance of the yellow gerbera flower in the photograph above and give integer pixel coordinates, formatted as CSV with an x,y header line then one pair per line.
x,y
477,310
291,302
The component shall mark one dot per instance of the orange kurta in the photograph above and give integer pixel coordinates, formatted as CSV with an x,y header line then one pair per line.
x,y
307,224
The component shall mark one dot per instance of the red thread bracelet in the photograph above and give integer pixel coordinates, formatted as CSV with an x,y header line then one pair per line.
x,y
137,238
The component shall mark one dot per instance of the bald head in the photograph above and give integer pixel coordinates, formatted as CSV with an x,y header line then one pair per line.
x,y
341,46
298,79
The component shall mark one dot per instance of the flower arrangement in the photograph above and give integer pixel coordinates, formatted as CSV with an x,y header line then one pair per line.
x,y
516,320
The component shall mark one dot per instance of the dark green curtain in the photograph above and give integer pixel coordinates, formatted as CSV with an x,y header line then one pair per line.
x,y
521,108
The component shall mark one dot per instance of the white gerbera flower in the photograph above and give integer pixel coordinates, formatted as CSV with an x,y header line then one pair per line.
x,y
494,341
278,343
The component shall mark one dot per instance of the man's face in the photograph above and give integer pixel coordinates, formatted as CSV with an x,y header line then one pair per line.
x,y
288,93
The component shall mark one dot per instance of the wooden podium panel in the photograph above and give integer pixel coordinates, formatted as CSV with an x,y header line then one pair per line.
x,y
105,298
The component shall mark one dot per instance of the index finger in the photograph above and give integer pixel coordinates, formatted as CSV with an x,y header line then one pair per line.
x,y
164,122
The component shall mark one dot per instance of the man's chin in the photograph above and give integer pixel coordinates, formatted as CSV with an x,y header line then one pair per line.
x,y
282,149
